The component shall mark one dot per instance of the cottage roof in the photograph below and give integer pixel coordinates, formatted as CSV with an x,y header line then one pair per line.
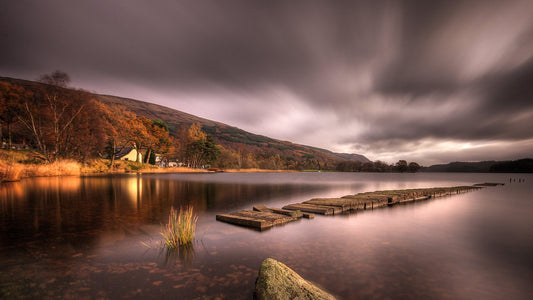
x,y
125,151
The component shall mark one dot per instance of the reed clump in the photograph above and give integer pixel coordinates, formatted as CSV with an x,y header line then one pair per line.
x,y
56,168
10,171
180,228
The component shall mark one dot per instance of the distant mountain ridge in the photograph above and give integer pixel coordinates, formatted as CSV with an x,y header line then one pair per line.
x,y
517,166
228,136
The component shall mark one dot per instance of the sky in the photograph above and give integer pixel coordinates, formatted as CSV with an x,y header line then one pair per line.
x,y
425,81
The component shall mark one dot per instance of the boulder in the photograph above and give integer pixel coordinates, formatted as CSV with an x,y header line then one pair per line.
x,y
277,281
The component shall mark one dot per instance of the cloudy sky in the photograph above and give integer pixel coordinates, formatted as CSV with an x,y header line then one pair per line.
x,y
425,81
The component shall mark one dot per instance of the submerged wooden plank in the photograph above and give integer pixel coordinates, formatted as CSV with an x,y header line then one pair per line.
x,y
489,184
244,221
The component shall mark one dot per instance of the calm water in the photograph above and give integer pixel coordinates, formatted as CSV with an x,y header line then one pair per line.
x,y
98,237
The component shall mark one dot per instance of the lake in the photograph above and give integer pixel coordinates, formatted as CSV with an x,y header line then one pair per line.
x,y
99,237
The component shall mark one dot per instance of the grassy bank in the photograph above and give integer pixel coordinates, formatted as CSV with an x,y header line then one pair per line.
x,y
16,165
254,170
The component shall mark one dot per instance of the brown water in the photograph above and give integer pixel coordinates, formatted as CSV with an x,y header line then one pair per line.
x,y
98,237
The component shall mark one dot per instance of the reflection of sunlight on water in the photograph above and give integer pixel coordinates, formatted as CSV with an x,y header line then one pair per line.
x,y
11,191
65,184
134,190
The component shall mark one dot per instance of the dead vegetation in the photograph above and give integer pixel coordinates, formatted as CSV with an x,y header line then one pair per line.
x,y
16,165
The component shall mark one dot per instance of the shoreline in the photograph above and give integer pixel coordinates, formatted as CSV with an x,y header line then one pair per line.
x,y
13,171
17,165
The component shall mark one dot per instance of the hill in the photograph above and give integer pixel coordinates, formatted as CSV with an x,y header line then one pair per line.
x,y
229,137
232,137
517,166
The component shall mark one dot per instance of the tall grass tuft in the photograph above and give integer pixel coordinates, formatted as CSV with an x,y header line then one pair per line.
x,y
10,171
57,168
180,228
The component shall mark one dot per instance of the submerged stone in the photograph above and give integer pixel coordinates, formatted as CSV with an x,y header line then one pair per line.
x,y
277,281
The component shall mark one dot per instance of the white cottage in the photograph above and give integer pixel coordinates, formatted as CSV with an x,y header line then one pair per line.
x,y
128,153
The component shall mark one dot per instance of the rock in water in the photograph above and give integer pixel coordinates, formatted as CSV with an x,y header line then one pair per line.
x,y
277,281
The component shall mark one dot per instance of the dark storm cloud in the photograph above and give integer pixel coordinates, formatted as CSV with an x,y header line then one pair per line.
x,y
334,74
236,42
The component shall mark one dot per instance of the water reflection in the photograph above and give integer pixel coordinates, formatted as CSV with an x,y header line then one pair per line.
x,y
99,237
107,209
184,254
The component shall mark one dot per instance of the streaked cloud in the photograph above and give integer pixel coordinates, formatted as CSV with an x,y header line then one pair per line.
x,y
431,81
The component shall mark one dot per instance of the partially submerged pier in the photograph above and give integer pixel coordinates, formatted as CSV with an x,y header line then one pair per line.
x,y
262,217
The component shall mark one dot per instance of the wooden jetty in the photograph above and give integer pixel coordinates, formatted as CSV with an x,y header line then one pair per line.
x,y
262,217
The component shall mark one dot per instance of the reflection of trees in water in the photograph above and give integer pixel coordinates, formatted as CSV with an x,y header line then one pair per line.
x,y
78,210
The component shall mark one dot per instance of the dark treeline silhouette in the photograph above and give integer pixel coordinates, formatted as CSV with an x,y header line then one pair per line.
x,y
517,166
377,166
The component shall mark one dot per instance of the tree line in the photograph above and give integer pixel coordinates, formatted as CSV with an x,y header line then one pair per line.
x,y
377,166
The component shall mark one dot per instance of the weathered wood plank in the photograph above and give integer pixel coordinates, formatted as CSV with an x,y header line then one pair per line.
x,y
290,213
309,215
276,219
343,204
244,221
262,208
318,209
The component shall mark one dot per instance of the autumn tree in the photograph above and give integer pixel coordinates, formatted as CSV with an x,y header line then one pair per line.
x,y
62,111
140,138
159,139
86,136
125,129
228,159
197,148
11,97
51,114
116,120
